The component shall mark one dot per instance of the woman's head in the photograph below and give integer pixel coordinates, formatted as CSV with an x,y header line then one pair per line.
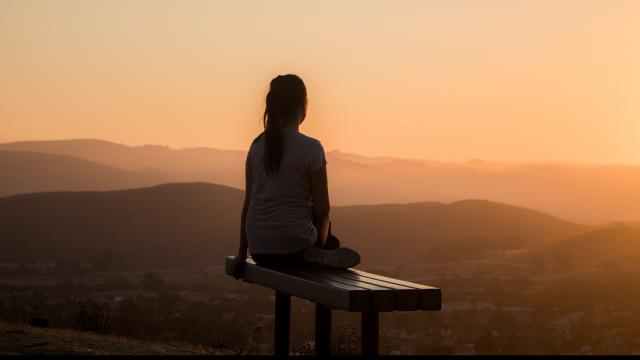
x,y
286,105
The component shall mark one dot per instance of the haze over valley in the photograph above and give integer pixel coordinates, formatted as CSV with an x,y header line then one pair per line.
x,y
157,207
583,193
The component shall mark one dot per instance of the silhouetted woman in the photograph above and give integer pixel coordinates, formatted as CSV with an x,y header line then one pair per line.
x,y
285,218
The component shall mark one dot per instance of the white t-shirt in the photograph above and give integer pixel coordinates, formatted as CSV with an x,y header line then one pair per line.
x,y
280,215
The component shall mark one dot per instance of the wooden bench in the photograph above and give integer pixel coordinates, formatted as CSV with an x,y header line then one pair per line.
x,y
345,289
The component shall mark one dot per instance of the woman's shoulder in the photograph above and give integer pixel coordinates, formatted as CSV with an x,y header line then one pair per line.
x,y
308,140
254,147
257,138
254,144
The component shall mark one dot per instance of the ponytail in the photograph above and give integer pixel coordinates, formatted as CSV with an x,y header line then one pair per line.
x,y
287,96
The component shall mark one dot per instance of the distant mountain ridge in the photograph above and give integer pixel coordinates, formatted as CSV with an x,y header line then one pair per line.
x,y
593,194
223,167
26,172
196,224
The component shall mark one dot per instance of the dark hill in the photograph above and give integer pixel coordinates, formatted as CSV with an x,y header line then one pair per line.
x,y
613,247
193,224
172,225
437,232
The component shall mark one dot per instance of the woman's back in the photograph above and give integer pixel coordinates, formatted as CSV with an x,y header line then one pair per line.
x,y
285,215
280,214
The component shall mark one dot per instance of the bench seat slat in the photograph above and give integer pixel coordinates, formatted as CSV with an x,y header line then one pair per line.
x,y
390,280
353,276
406,298
381,298
320,276
324,280
430,297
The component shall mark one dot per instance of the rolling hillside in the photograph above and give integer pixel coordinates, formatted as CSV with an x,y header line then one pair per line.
x,y
583,193
194,224
26,172
185,165
616,246
168,226
429,231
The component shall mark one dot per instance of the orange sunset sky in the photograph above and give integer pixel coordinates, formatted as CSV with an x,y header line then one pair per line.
x,y
449,80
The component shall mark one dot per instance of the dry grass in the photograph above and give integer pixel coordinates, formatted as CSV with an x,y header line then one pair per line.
x,y
16,339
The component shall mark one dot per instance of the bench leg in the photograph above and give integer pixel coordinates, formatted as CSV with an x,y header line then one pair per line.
x,y
282,324
369,333
323,330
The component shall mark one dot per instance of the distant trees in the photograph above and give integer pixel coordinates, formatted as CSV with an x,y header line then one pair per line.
x,y
151,281
73,266
117,283
464,248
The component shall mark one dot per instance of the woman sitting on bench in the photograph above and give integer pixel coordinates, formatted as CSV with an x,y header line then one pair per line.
x,y
285,218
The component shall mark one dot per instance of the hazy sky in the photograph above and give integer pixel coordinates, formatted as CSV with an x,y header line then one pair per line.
x,y
446,80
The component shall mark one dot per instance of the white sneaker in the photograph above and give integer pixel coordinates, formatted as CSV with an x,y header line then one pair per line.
x,y
340,258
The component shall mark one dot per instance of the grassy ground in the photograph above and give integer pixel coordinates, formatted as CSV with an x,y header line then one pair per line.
x,y
18,339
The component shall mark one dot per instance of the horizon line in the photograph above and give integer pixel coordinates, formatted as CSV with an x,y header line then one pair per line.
x,y
337,150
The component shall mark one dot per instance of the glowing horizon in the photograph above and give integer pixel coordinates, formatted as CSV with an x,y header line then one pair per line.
x,y
504,81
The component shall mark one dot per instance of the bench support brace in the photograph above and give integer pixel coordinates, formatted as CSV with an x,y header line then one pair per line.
x,y
323,330
282,324
369,333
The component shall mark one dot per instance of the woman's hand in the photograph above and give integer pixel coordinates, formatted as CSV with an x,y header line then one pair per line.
x,y
237,266
321,206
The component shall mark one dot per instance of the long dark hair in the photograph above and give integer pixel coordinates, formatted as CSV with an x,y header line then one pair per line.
x,y
286,101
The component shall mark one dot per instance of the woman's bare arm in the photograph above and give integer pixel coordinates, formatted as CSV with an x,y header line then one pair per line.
x,y
321,206
238,262
242,249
